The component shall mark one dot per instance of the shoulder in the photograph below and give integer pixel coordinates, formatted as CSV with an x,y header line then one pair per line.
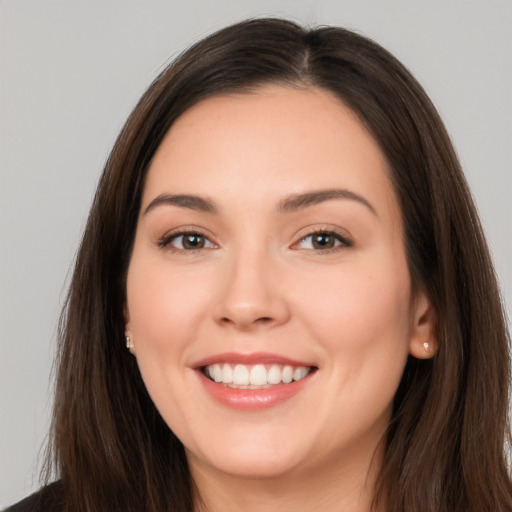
x,y
47,499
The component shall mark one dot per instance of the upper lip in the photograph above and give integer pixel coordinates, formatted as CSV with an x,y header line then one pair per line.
x,y
249,359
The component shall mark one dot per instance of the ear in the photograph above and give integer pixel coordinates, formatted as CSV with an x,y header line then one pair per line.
x,y
423,343
128,330
126,316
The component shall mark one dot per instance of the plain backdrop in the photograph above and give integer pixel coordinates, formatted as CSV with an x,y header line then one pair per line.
x,y
70,72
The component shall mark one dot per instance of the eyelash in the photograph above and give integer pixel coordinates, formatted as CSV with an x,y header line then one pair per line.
x,y
344,242
166,241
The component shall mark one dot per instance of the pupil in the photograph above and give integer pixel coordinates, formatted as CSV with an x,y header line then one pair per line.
x,y
322,241
193,241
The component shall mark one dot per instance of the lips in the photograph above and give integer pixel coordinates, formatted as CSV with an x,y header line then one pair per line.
x,y
243,376
254,381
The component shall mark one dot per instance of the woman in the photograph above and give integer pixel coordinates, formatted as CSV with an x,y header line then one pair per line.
x,y
284,241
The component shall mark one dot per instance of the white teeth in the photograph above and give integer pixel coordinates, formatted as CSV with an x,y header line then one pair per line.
x,y
287,374
300,373
217,373
241,375
227,374
274,375
257,376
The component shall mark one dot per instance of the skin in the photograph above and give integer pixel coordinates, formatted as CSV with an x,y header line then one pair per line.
x,y
260,285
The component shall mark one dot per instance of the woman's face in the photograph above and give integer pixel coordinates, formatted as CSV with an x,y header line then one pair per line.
x,y
269,248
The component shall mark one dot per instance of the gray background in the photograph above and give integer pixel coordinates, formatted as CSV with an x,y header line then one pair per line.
x,y
70,72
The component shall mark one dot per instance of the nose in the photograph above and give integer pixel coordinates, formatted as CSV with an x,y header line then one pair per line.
x,y
252,295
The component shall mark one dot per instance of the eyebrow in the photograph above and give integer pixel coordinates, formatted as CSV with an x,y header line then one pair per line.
x,y
300,201
192,202
288,205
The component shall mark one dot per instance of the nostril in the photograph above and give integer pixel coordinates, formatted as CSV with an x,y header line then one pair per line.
x,y
264,320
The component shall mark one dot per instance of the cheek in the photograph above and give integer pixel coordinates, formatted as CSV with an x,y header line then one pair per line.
x,y
164,306
164,309
361,321
360,314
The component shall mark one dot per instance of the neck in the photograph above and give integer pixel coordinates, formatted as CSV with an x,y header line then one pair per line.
x,y
347,486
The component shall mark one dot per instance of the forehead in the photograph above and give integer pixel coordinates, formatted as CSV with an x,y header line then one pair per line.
x,y
269,143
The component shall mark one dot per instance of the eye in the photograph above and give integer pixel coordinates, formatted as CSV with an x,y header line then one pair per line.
x,y
323,241
186,241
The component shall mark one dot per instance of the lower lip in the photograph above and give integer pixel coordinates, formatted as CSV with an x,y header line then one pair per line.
x,y
252,399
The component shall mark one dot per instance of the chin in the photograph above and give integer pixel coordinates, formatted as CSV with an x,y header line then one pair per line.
x,y
254,462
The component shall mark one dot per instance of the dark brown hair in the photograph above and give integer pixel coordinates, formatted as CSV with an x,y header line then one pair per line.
x,y
446,442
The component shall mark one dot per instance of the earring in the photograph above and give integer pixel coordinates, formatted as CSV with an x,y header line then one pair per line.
x,y
129,345
426,346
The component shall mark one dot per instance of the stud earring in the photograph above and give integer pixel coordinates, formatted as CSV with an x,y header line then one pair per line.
x,y
129,345
426,346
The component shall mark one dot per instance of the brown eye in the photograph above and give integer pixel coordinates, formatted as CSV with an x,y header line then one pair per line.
x,y
187,242
324,241
193,241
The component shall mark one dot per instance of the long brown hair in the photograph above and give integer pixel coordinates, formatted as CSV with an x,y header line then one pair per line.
x,y
446,442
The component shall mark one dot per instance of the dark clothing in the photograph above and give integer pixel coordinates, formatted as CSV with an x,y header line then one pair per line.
x,y
47,499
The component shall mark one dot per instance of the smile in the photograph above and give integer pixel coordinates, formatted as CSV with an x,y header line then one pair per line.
x,y
258,376
253,382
